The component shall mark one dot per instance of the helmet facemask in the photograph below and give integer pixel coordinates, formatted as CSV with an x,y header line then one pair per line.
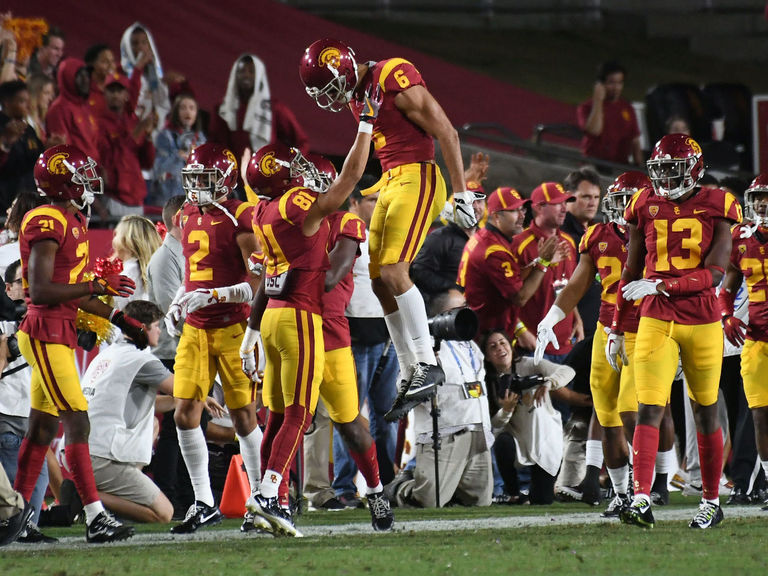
x,y
614,204
756,206
203,185
673,177
334,96
88,179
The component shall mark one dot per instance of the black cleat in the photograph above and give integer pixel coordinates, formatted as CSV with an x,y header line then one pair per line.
x,y
12,528
198,515
638,513
32,535
707,516
105,528
254,523
382,518
738,497
424,381
615,506
270,510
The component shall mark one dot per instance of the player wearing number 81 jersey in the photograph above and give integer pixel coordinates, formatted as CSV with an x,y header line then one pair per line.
x,y
682,234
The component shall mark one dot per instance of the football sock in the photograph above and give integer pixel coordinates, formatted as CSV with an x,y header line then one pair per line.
x,y
594,455
644,446
274,422
31,458
297,420
92,510
666,462
195,454
414,316
368,465
711,463
79,464
270,484
400,340
249,450
764,464
620,479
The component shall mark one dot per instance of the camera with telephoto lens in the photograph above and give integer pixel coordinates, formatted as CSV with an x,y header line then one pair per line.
x,y
456,324
13,348
518,384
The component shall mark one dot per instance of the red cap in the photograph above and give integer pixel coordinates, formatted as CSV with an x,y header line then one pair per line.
x,y
474,186
117,78
550,193
505,198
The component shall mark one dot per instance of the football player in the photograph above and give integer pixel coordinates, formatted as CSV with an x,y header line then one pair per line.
x,y
679,245
55,259
748,260
411,191
217,240
293,229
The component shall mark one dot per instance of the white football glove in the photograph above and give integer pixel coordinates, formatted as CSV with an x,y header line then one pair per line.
x,y
203,297
638,289
248,360
545,334
615,349
174,314
463,211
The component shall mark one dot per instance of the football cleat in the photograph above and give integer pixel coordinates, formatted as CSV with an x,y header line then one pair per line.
x,y
660,497
105,528
424,380
382,518
270,510
198,515
638,513
707,516
32,535
615,506
350,500
11,528
254,523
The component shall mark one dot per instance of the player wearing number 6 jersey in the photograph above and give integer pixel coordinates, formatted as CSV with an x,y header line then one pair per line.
x,y
411,191
217,240
681,236
293,229
55,257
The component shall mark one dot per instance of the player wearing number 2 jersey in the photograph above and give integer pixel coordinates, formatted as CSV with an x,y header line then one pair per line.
x,y
54,254
293,229
681,236
217,240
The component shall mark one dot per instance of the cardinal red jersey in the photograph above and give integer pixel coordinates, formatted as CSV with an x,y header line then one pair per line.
x,y
54,322
678,237
750,255
526,249
490,276
396,139
213,258
303,260
335,324
606,244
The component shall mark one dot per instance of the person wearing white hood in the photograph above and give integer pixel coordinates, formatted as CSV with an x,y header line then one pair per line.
x,y
249,117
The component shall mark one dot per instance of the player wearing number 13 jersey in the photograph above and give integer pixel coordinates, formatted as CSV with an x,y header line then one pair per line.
x,y
292,226
680,233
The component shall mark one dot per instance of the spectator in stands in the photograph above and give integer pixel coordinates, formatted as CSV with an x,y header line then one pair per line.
x,y
549,200
101,61
48,56
249,117
126,150
121,386
676,124
8,52
172,147
42,90
529,431
608,121
464,425
70,118
436,266
135,241
19,144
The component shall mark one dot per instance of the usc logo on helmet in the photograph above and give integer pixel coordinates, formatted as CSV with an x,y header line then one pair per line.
x,y
694,145
56,163
231,158
268,166
331,57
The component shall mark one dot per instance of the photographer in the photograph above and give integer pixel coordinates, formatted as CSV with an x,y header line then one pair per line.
x,y
464,426
527,428
14,393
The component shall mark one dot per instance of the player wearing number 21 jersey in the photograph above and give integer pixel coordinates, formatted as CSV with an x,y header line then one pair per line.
x,y
680,235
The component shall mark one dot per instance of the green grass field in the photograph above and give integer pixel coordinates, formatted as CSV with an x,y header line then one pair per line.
x,y
471,542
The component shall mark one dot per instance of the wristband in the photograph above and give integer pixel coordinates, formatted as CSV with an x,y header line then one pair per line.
x,y
365,128
691,283
519,328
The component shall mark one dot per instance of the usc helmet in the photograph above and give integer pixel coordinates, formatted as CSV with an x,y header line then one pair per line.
x,y
675,166
620,193
329,72
276,168
323,175
757,191
65,172
210,174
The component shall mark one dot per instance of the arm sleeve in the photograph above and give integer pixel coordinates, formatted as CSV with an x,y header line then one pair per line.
x,y
151,374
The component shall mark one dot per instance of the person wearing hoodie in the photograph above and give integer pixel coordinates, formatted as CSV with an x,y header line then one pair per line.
x,y
70,116
249,117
